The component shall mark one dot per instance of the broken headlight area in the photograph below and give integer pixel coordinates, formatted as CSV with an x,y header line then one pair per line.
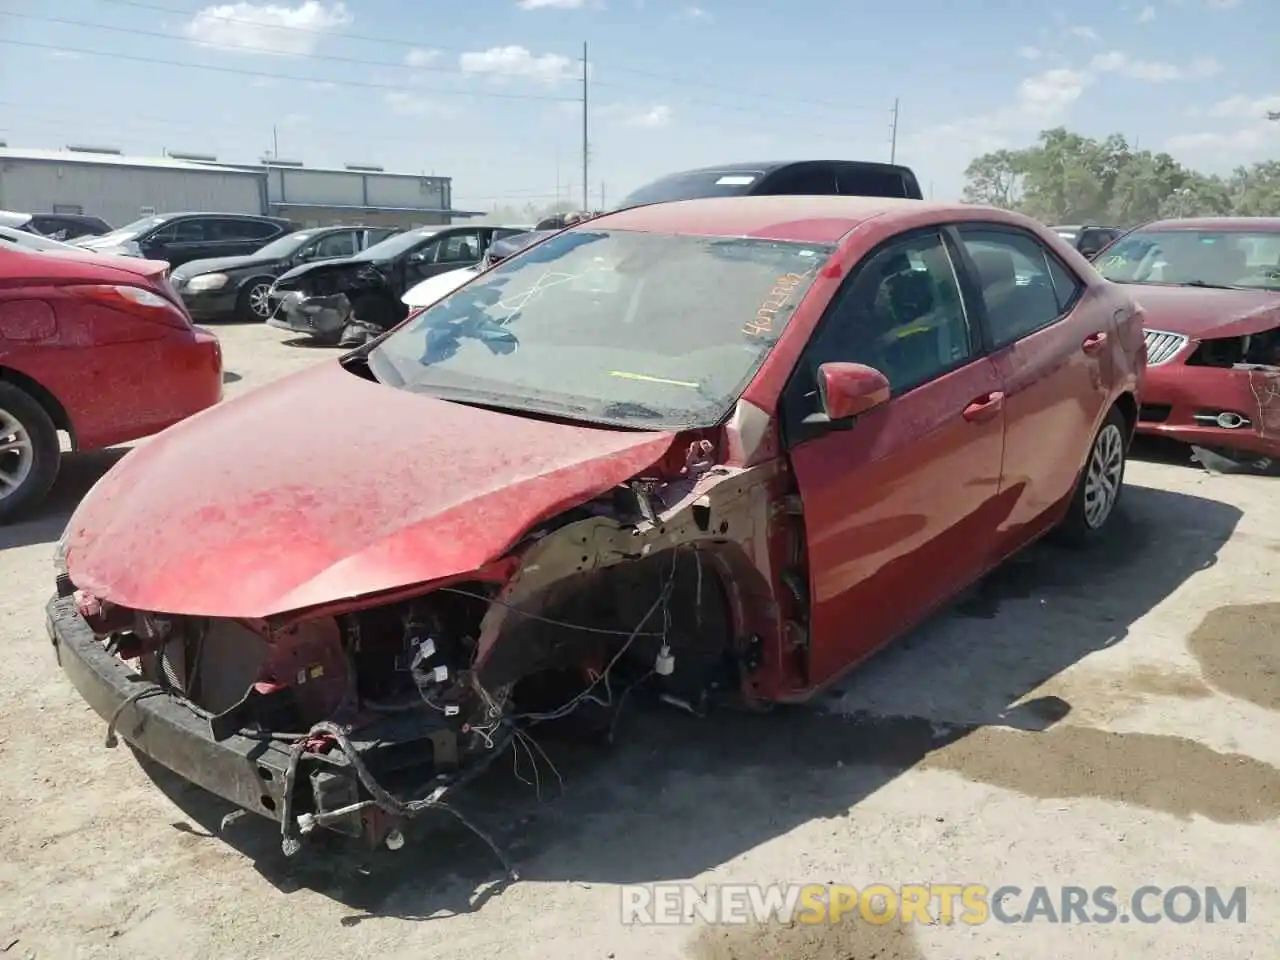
x,y
328,305
384,710
1256,359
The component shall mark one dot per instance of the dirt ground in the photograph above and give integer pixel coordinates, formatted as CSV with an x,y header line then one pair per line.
x,y
1108,719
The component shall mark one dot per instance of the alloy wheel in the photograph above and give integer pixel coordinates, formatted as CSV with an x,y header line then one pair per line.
x,y
1103,476
17,454
260,301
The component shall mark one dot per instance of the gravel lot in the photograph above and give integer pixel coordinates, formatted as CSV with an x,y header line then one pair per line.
x,y
1101,720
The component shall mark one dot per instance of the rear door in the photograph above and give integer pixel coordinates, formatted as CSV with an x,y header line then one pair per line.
x,y
897,510
1054,362
180,241
235,236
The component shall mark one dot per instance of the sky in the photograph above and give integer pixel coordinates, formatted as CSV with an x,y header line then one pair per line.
x,y
489,92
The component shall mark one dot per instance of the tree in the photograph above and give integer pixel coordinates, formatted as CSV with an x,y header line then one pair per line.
x,y
995,179
1069,178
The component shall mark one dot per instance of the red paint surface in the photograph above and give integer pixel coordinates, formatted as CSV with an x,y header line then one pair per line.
x,y
323,486
1197,312
118,375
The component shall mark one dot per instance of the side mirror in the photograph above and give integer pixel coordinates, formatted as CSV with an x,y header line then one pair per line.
x,y
848,390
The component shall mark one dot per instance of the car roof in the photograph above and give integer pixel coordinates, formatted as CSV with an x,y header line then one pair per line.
x,y
804,219
1258,224
769,166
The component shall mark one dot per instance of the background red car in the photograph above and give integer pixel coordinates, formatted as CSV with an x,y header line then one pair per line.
x,y
98,347
1210,291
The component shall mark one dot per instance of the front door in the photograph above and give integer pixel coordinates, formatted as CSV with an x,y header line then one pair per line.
x,y
898,511
1054,368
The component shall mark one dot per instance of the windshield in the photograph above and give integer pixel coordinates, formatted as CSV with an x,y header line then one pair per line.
x,y
131,230
285,246
641,330
1219,258
395,245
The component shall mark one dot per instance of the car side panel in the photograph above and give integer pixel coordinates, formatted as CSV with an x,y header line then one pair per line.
x,y
117,378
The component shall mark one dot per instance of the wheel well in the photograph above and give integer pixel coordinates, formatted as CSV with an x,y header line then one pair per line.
x,y
249,282
43,397
1127,404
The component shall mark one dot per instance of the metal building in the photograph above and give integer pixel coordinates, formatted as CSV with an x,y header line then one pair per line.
x,y
102,182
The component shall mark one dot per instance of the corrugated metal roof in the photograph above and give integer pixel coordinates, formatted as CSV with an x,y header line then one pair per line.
x,y
116,160
204,166
375,208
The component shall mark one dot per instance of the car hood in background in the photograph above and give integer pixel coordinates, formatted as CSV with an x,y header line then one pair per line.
x,y
438,287
325,266
1206,312
195,268
119,248
325,486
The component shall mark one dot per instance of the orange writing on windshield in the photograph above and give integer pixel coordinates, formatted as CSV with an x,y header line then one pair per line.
x,y
779,296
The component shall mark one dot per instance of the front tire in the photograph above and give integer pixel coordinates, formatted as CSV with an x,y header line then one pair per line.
x,y
1100,485
253,305
29,452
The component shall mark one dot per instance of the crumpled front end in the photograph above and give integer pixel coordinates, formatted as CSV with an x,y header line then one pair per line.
x,y
321,317
359,715
1220,394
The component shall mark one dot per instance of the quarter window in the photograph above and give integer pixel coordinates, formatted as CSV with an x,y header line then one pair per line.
x,y
1024,287
901,312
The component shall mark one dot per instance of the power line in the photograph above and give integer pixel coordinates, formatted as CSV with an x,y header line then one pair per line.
x,y
409,44
367,84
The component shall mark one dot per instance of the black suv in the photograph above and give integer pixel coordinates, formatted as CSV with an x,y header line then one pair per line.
x,y
858,178
182,237
1088,238
238,286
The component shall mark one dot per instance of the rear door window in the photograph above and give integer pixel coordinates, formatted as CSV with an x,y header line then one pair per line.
x,y
808,180
863,182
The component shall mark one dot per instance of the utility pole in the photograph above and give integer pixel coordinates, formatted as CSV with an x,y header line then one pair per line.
x,y
602,206
893,133
275,143
585,151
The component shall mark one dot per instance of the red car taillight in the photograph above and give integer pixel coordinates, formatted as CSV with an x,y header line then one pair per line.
x,y
135,301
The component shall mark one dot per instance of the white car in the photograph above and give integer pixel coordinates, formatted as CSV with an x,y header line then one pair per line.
x,y
21,240
436,288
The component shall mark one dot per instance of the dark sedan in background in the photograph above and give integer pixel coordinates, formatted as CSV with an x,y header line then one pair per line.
x,y
239,287
179,238
322,299
1087,238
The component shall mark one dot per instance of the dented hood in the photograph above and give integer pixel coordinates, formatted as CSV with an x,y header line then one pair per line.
x,y
325,486
1206,312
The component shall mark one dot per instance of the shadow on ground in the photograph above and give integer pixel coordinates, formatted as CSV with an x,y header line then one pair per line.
x,y
77,473
230,376
307,343
679,795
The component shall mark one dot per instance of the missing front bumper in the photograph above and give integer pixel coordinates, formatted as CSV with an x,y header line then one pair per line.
x,y
321,317
244,771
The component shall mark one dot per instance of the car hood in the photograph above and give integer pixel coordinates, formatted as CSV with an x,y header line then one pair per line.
x,y
1203,312
195,268
328,266
438,287
325,486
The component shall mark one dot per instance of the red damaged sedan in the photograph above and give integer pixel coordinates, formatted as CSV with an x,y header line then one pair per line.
x,y
1210,289
721,448
98,347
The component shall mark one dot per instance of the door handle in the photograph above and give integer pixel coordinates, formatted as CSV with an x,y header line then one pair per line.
x,y
984,408
1094,342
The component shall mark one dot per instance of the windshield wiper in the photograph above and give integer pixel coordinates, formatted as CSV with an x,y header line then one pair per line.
x,y
625,409
1206,285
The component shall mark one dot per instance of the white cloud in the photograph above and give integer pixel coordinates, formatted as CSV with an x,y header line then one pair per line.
x,y
1147,14
694,13
1245,108
418,57
267,28
656,115
514,61
1029,53
1085,33
551,4
1153,71
409,105
65,55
